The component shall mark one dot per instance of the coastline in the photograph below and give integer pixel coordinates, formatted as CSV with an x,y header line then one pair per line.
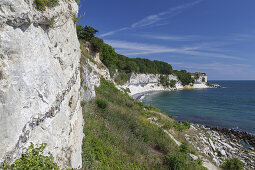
x,y
139,94
242,135
216,142
219,143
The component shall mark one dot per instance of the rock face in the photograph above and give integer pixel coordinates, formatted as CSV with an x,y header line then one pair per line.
x,y
40,81
220,144
140,83
92,69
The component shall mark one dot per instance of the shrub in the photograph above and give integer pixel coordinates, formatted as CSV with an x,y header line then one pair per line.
x,y
164,80
42,4
102,103
175,162
122,78
181,126
184,148
167,125
34,159
172,83
233,164
97,44
86,33
203,79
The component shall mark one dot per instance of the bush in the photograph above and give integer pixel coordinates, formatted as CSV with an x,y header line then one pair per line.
x,y
102,103
181,126
42,4
172,83
122,78
233,164
85,33
167,126
97,44
34,159
184,77
175,162
184,148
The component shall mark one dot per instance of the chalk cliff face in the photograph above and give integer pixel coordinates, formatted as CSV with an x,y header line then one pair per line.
x,y
140,83
92,69
40,81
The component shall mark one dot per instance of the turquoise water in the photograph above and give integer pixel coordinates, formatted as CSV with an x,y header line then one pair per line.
x,y
229,107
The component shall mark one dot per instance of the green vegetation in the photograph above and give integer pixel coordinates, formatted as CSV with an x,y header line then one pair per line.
x,y
97,44
125,66
203,79
181,126
179,162
233,164
172,83
122,78
102,103
184,77
42,4
85,33
165,81
34,159
120,136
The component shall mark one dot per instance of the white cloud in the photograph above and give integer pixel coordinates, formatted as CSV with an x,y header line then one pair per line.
x,y
113,32
134,49
154,19
172,37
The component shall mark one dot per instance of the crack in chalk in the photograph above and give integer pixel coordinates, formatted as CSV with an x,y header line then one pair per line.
x,y
41,96
29,126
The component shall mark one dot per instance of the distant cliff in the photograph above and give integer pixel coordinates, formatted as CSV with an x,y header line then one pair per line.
x,y
140,83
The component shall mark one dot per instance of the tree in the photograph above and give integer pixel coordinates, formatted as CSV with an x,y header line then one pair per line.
x,y
86,33
97,44
89,32
172,83
80,31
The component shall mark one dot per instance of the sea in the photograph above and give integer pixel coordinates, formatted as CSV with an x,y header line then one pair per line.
x,y
232,106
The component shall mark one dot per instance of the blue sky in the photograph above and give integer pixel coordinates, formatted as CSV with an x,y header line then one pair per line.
x,y
212,36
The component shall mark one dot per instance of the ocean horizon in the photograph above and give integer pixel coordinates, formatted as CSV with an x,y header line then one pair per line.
x,y
232,106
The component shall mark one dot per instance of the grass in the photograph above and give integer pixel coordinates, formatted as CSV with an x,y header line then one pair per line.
x,y
42,4
120,136
85,52
122,78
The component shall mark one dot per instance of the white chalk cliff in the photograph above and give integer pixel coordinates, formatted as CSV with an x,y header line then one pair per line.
x,y
40,81
44,78
140,83
92,69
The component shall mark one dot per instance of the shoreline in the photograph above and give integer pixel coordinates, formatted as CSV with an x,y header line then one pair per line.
x,y
138,96
240,136
244,136
220,144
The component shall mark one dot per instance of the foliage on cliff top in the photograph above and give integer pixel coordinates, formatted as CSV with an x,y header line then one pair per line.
x,y
125,66
121,137
184,77
42,4
34,159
